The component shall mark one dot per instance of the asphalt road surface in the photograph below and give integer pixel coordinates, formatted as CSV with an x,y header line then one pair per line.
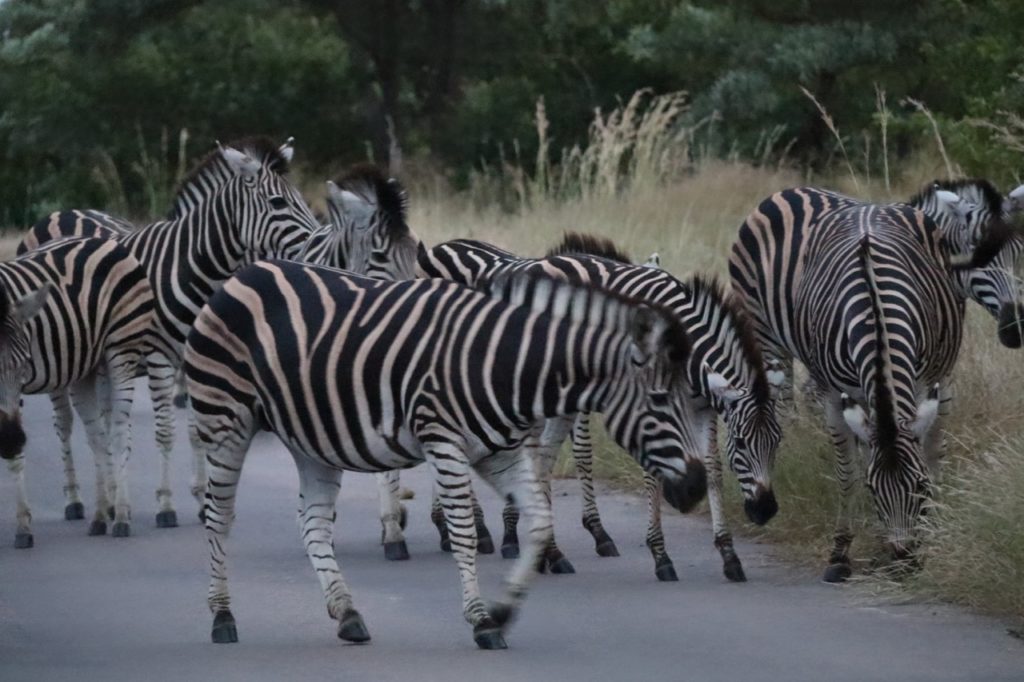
x,y
103,608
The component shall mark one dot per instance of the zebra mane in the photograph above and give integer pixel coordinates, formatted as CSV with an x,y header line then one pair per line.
x,y
5,306
259,147
588,244
385,194
544,294
977,190
709,286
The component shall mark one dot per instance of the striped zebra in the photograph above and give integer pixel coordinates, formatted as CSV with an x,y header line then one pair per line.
x,y
725,374
388,375
235,206
76,318
73,223
861,295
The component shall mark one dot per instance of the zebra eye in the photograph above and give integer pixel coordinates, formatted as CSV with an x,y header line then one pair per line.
x,y
278,203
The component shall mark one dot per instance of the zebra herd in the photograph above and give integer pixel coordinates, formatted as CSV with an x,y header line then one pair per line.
x,y
364,350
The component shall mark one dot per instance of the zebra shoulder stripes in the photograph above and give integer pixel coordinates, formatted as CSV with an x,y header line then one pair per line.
x,y
76,318
385,375
726,374
861,295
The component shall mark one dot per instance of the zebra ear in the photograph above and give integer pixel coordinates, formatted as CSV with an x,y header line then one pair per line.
x,y
653,261
29,305
356,210
239,162
287,150
927,411
855,418
950,202
720,386
1014,201
646,332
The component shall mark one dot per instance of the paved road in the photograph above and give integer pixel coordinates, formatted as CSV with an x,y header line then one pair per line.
x,y
76,607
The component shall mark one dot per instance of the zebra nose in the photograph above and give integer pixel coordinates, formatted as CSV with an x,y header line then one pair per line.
x,y
761,506
1011,321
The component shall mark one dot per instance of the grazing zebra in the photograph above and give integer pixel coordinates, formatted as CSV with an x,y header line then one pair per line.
x,y
234,207
388,375
861,295
726,377
76,317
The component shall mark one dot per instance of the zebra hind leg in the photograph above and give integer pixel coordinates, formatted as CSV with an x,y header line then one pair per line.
x,y
485,543
84,397
846,450
392,516
583,458
162,384
120,392
510,538
63,419
663,567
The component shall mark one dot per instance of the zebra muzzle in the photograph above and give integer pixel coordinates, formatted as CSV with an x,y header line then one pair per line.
x,y
762,506
1011,324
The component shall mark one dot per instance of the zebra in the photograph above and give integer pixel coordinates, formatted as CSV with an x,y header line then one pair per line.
x,y
386,375
73,223
234,207
726,377
861,295
76,317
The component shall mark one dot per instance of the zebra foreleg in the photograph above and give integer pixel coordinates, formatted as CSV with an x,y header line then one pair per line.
x,y
318,493
663,567
513,474
731,566
161,375
23,538
583,458
847,451
63,420
392,516
85,398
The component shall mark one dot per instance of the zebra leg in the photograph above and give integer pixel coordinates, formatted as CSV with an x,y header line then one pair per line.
x,y
935,440
318,493
437,517
63,419
847,452
510,538
583,458
513,474
731,566
392,516
180,392
121,390
663,567
161,376
85,398
23,538
484,541
545,453
485,544
101,395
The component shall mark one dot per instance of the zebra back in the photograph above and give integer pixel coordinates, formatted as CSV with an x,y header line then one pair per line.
x,y
73,223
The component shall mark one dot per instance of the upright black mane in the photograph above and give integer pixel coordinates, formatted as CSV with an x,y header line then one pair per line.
x,y
372,184
737,314
590,245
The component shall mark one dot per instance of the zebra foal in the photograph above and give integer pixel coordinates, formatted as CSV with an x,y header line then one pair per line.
x,y
362,375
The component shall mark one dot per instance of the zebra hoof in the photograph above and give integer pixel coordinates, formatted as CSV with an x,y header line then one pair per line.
x,y
181,400
74,511
396,551
559,565
111,513
501,613
733,570
224,631
167,519
121,529
484,544
24,540
837,572
607,549
665,571
488,636
403,516
98,528
352,628
510,548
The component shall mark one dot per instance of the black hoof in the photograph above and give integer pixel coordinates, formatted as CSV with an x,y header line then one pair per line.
x,y
352,628
561,566
446,542
167,519
733,570
24,541
121,529
181,400
665,571
98,528
837,573
489,637
510,546
110,512
501,613
396,551
607,549
484,544
403,516
74,511
224,631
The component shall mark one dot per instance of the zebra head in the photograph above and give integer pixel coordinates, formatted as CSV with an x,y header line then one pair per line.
x,y
16,363
649,416
971,215
897,475
368,213
270,215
